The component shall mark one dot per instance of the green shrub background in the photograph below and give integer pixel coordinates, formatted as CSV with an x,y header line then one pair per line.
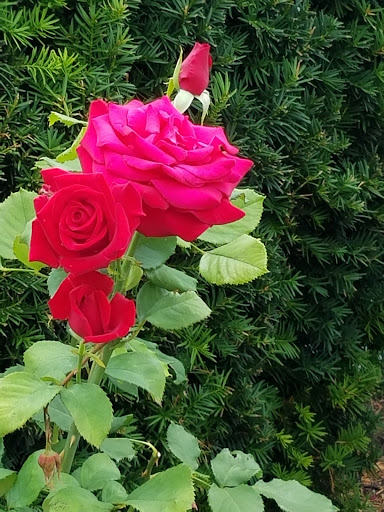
x,y
286,366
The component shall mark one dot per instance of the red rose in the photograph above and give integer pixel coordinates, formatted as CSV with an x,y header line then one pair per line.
x,y
194,71
185,172
81,222
83,301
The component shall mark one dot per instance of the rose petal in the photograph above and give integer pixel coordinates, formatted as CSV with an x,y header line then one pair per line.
x,y
41,249
96,309
76,319
123,312
223,214
187,198
171,222
59,304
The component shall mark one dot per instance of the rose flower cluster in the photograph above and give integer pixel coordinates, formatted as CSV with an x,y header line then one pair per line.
x,y
145,168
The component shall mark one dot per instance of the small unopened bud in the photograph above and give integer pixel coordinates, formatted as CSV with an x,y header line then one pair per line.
x,y
50,463
194,506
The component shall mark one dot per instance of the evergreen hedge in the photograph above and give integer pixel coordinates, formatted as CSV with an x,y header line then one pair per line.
x,y
287,365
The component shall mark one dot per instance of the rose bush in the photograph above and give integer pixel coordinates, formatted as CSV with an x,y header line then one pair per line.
x,y
185,173
194,71
83,301
81,222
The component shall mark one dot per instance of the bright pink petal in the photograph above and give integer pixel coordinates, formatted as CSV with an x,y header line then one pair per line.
x,y
187,198
223,214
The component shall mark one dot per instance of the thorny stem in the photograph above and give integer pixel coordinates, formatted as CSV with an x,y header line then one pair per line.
x,y
80,362
71,374
73,438
48,429
95,377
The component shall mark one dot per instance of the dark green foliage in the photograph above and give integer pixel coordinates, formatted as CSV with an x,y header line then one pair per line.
x,y
287,365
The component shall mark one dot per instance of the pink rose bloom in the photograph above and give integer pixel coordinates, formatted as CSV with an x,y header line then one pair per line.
x,y
185,172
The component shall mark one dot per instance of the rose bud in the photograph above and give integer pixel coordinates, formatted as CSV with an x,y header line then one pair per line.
x,y
194,72
50,462
83,301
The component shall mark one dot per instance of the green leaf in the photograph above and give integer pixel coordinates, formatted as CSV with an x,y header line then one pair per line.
x,y
113,492
134,277
294,497
91,411
97,470
55,278
118,448
7,479
151,252
15,212
175,364
141,369
171,279
238,262
55,117
252,204
49,163
12,369
1,451
182,243
21,396
183,445
176,72
232,470
170,310
235,499
59,414
71,153
29,482
75,499
21,251
119,422
64,480
129,389
50,359
169,491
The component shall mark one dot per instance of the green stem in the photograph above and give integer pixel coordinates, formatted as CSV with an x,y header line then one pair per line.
x,y
73,438
70,448
122,267
197,248
97,372
30,271
152,461
134,334
201,483
134,242
80,362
